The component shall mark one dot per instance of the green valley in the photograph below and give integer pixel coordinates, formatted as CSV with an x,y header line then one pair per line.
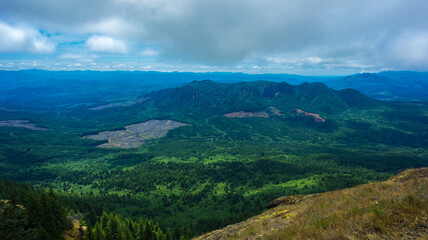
x,y
216,169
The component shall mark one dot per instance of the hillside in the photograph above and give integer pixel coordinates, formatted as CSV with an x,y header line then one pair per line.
x,y
240,146
258,95
393,209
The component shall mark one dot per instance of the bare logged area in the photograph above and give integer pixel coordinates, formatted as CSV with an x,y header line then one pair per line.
x,y
21,124
242,114
275,111
316,116
119,104
136,135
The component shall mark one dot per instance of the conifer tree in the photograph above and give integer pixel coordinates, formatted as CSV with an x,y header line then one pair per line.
x,y
113,230
89,234
98,232
126,234
140,229
148,230
14,224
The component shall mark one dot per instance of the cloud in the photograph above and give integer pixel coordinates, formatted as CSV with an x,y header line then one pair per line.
x,y
77,57
112,26
78,65
70,56
106,44
148,52
411,48
23,39
121,65
333,33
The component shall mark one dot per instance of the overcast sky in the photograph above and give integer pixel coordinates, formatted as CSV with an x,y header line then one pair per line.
x,y
331,37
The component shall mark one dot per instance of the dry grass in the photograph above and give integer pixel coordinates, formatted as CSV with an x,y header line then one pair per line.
x,y
395,209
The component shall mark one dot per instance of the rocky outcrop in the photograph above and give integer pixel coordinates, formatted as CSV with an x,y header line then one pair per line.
x,y
78,230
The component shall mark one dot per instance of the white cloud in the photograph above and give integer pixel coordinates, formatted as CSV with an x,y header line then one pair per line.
x,y
298,60
77,57
119,65
305,33
75,65
148,52
70,56
106,44
411,47
23,39
113,26
314,60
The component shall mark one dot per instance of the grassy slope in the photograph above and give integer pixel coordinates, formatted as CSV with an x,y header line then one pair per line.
x,y
393,209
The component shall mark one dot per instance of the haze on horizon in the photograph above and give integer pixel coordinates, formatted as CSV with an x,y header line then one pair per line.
x,y
333,37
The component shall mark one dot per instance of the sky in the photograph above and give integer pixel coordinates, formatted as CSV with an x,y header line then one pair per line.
x,y
307,37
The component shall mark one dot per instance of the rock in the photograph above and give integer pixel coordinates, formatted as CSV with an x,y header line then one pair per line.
x,y
286,200
78,230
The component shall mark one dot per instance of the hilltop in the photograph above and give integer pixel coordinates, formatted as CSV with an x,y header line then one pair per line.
x,y
393,209
258,95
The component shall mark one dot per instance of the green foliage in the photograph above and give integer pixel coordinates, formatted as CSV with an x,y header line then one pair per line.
x,y
14,223
216,172
114,227
42,211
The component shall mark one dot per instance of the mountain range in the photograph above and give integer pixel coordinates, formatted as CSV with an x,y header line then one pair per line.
x,y
216,154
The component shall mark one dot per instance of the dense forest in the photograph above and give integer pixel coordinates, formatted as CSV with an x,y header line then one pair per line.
x,y
42,214
213,172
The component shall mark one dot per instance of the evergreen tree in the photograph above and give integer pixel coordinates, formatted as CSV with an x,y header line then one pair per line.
x,y
89,234
148,230
169,234
126,234
14,224
113,230
104,219
176,233
140,230
98,232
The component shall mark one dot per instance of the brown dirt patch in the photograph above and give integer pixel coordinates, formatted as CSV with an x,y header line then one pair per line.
x,y
316,116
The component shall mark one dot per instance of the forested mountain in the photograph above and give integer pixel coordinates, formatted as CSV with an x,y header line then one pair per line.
x,y
257,95
50,90
239,145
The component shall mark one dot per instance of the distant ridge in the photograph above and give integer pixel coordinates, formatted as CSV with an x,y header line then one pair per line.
x,y
395,86
390,85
